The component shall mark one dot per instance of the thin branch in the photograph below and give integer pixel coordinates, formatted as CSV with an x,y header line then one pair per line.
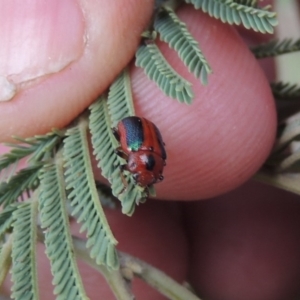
x,y
156,278
114,278
131,265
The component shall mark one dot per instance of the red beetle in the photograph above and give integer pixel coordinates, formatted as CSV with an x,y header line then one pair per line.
x,y
143,149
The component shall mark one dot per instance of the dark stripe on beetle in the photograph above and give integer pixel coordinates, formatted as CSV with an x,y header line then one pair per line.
x,y
134,132
150,164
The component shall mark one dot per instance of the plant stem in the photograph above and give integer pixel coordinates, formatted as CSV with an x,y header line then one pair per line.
x,y
119,286
119,280
156,278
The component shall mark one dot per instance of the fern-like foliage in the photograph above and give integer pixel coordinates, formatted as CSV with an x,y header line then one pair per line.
x,y
38,148
45,145
58,240
104,144
285,90
6,219
10,160
275,48
160,71
251,3
103,141
5,259
132,196
287,133
290,164
84,197
25,180
23,273
175,33
119,100
230,11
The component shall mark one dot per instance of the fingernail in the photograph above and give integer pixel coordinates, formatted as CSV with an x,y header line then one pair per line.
x,y
37,39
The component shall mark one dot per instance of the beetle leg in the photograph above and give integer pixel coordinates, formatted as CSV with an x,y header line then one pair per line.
x,y
161,177
147,193
136,177
125,183
122,168
116,134
121,153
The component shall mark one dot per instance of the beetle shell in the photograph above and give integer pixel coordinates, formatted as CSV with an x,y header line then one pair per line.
x,y
140,134
142,146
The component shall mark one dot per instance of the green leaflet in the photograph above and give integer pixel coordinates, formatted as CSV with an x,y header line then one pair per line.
x,y
104,144
251,3
25,180
37,148
23,272
275,48
103,141
285,90
120,103
132,196
44,145
84,197
287,133
10,160
150,58
58,240
5,259
17,153
283,181
176,34
290,164
6,219
229,11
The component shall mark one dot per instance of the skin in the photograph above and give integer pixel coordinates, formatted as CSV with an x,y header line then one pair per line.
x,y
239,245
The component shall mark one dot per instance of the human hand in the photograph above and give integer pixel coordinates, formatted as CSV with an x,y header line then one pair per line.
x,y
213,146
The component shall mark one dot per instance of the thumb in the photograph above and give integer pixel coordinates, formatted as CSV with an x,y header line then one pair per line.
x,y
56,57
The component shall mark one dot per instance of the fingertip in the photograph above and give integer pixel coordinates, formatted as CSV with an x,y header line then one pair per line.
x,y
51,91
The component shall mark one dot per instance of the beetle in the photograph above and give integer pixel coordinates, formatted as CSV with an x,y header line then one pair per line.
x,y
142,147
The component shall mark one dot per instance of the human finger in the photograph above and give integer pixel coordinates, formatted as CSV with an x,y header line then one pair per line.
x,y
245,244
